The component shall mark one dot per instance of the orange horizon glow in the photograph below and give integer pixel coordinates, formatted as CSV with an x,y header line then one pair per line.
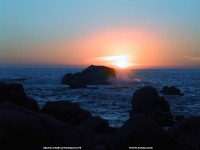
x,y
121,61
151,34
116,48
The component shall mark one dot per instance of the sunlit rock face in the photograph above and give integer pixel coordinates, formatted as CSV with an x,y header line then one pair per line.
x,y
93,75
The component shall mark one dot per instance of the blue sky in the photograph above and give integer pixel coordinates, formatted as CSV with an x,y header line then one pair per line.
x,y
38,21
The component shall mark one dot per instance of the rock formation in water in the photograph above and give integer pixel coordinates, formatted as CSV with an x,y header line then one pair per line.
x,y
172,90
93,75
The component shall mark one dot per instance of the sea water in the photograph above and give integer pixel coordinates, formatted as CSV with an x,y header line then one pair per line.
x,y
111,102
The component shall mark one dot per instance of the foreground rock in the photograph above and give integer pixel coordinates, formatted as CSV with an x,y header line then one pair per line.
x,y
171,91
97,124
141,131
93,75
66,124
66,111
23,129
187,133
14,92
147,101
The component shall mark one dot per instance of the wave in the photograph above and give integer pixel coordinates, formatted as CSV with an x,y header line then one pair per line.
x,y
34,80
43,81
11,80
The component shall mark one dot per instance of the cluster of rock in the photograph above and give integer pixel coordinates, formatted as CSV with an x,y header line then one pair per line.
x,y
58,124
93,75
63,123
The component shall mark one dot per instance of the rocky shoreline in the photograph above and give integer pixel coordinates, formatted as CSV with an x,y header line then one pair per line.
x,y
65,124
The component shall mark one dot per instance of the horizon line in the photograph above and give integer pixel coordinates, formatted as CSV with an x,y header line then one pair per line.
x,y
86,65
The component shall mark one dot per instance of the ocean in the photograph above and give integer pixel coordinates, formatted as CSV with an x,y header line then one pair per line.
x,y
111,102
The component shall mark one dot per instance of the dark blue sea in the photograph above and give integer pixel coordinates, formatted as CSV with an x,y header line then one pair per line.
x,y
111,102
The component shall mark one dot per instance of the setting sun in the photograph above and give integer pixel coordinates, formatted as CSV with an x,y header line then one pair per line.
x,y
121,61
122,64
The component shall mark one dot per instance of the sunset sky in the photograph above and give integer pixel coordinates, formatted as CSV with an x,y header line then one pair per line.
x,y
120,33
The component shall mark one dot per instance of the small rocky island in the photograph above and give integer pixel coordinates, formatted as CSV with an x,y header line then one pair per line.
x,y
93,75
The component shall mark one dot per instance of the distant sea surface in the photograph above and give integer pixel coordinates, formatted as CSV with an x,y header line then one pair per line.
x,y
111,102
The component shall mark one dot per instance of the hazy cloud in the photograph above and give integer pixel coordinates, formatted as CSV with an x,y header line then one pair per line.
x,y
193,58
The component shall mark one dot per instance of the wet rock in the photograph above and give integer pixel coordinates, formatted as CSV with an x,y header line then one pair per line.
x,y
23,129
141,131
187,132
147,101
171,91
97,124
66,111
14,92
93,75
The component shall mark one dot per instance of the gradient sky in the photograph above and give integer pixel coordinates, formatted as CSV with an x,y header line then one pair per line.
x,y
150,33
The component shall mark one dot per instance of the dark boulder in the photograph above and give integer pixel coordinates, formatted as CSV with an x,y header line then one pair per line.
x,y
75,81
179,118
67,79
141,131
66,111
23,129
187,132
97,124
93,75
32,104
147,101
171,91
14,92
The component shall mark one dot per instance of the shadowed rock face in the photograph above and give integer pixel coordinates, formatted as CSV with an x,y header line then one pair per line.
x,y
187,132
96,124
23,129
93,75
147,101
15,93
66,111
141,131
